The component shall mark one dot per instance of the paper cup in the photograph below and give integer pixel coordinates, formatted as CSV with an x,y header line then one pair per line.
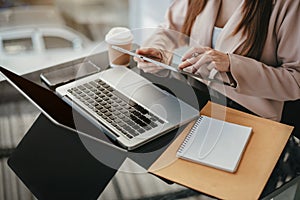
x,y
122,37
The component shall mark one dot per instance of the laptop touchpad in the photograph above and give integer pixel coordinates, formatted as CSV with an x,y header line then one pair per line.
x,y
145,93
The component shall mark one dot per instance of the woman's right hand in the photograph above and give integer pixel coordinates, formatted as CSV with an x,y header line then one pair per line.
x,y
152,53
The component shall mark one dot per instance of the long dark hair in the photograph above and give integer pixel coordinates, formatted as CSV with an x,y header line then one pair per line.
x,y
254,23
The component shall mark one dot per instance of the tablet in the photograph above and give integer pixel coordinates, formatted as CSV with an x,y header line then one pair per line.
x,y
211,76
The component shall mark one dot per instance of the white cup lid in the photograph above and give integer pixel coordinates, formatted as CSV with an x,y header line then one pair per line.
x,y
119,36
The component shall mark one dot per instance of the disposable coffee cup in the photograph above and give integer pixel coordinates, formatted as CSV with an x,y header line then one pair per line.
x,y
122,37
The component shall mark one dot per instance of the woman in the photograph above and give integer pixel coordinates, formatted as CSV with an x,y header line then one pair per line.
x,y
252,43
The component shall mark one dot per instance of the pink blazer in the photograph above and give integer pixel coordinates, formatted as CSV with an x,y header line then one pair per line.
x,y
262,86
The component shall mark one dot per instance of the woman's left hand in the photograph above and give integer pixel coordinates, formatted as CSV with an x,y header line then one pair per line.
x,y
207,57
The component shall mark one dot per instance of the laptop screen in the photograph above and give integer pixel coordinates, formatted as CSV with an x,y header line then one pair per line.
x,y
51,105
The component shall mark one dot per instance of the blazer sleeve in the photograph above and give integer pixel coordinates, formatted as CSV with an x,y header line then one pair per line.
x,y
168,36
280,82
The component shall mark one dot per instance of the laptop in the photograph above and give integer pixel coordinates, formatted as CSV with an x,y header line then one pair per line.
x,y
121,103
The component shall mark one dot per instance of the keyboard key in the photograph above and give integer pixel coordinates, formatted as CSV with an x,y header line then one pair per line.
x,y
100,82
142,110
129,136
112,117
135,127
153,124
126,119
113,97
119,108
156,118
115,105
103,110
119,101
130,123
118,120
131,109
107,114
107,106
90,101
102,103
134,133
121,124
147,128
94,84
111,109
81,87
105,85
118,127
110,89
145,119
87,85
161,121
101,95
140,130
105,98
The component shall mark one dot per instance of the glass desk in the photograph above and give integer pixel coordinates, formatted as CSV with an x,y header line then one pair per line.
x,y
54,163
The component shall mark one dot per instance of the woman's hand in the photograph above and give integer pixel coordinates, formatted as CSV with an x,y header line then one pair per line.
x,y
152,53
199,57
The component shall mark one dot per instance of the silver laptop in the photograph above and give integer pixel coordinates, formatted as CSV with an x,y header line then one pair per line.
x,y
127,106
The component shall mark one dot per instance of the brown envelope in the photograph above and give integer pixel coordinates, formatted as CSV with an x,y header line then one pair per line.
x,y
259,159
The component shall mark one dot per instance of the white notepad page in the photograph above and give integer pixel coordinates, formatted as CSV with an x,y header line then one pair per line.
x,y
215,143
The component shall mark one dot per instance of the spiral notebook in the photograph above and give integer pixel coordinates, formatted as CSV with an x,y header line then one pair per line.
x,y
215,143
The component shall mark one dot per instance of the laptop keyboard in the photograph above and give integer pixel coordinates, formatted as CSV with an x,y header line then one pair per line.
x,y
128,117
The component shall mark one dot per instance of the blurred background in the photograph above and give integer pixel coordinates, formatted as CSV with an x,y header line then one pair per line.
x,y
35,34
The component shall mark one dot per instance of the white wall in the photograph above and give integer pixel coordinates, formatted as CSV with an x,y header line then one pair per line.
x,y
146,14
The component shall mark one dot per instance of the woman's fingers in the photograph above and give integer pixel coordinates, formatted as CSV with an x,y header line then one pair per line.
x,y
150,53
187,63
136,59
190,69
204,71
194,52
197,62
210,59
147,66
146,51
203,59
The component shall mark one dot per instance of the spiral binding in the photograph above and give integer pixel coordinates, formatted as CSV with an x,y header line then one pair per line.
x,y
188,137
